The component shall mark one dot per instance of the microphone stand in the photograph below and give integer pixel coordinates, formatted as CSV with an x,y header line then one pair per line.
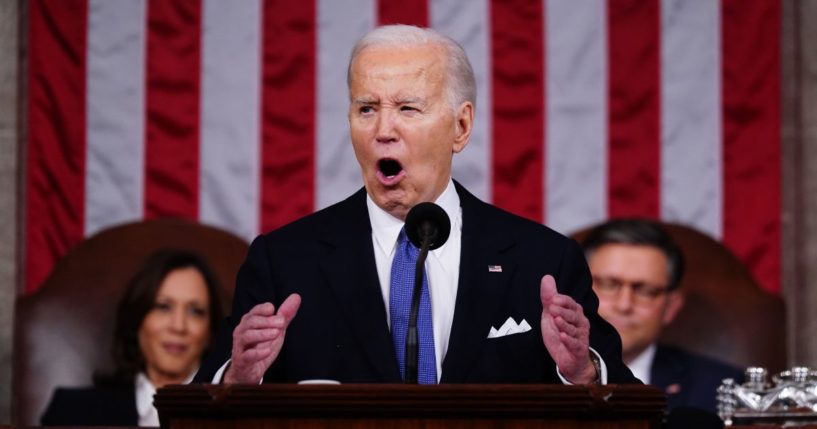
x,y
427,234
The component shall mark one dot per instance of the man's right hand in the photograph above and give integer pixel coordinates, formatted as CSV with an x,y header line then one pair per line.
x,y
258,339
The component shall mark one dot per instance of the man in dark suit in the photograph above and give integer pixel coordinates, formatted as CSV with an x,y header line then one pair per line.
x,y
637,269
316,298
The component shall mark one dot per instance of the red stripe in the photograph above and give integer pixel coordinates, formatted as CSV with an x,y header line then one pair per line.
x,y
518,68
288,112
411,12
751,135
55,184
634,108
172,102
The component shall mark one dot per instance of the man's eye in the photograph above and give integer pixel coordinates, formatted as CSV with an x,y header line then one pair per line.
x,y
408,109
366,109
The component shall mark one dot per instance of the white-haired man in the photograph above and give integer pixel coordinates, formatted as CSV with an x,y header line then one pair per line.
x,y
317,299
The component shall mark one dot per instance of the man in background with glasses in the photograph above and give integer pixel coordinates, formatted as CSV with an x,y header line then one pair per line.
x,y
636,270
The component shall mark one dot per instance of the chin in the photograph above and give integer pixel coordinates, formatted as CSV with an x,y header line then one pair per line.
x,y
392,200
395,208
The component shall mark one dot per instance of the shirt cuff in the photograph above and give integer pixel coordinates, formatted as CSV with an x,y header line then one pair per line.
x,y
219,377
602,368
220,373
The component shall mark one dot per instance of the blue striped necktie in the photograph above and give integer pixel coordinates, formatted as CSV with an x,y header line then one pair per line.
x,y
402,284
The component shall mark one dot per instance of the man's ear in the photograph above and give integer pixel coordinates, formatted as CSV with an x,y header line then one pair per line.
x,y
675,302
464,124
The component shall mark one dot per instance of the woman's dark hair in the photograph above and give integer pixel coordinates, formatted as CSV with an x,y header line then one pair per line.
x,y
638,232
138,301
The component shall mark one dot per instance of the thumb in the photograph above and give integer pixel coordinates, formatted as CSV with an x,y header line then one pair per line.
x,y
289,307
547,290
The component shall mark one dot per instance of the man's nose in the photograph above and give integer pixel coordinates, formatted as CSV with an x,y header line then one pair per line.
x,y
624,299
386,132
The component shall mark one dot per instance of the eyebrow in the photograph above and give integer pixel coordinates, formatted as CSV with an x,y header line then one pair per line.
x,y
365,100
371,100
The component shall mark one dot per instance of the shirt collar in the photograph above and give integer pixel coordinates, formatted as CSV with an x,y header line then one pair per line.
x,y
642,364
144,395
386,227
145,390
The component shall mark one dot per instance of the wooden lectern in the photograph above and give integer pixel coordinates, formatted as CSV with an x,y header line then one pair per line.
x,y
365,406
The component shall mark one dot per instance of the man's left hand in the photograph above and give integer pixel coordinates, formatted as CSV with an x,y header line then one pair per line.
x,y
566,333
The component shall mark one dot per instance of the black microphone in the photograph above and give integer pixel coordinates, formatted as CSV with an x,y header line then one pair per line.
x,y
428,227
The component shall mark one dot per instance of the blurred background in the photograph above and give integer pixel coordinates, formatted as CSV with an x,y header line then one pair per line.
x,y
233,114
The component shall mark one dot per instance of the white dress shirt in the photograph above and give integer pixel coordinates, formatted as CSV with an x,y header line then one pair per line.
x,y
148,415
641,366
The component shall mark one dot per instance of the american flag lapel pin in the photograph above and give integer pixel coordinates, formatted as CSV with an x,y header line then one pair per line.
x,y
494,268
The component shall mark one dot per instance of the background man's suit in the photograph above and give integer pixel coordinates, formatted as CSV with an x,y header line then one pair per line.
x,y
690,380
340,331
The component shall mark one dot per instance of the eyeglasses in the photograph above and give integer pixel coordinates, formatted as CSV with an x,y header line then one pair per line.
x,y
642,293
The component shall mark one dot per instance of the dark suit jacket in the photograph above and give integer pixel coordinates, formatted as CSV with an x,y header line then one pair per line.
x,y
92,406
690,380
341,330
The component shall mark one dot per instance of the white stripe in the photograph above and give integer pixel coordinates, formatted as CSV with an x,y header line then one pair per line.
x,y
115,113
576,119
691,172
468,23
339,27
230,115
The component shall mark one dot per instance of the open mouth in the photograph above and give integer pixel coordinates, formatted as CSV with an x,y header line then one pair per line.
x,y
389,167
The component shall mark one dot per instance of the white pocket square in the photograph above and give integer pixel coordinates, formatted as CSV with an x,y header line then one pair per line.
x,y
510,327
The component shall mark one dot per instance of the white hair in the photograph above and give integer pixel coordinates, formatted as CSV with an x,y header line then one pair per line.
x,y
460,82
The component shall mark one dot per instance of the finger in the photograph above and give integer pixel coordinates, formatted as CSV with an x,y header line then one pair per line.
x,y
576,346
252,321
565,301
286,312
547,290
255,318
289,308
565,326
252,337
255,354
263,309
565,305
570,315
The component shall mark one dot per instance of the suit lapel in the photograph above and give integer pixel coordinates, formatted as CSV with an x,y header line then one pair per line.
x,y
667,371
350,271
479,290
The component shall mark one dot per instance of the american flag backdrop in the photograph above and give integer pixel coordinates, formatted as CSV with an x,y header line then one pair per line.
x,y
233,113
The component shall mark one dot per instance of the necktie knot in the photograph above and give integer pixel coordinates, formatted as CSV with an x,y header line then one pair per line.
x,y
405,245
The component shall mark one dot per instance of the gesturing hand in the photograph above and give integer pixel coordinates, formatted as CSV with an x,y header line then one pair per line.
x,y
258,339
566,333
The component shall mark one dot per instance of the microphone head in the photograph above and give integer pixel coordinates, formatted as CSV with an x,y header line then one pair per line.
x,y
429,221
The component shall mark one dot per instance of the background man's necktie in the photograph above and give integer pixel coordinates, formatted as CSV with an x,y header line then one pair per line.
x,y
402,284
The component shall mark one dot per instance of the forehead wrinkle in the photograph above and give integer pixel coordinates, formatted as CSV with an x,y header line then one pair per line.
x,y
408,99
391,69
389,74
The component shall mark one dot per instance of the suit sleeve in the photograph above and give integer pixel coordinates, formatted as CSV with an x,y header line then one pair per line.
x,y
254,285
574,280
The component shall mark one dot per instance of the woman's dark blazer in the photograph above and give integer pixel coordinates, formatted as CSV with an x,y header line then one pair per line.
x,y
92,406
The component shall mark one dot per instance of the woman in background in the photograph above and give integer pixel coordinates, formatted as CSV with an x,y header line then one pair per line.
x,y
164,323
